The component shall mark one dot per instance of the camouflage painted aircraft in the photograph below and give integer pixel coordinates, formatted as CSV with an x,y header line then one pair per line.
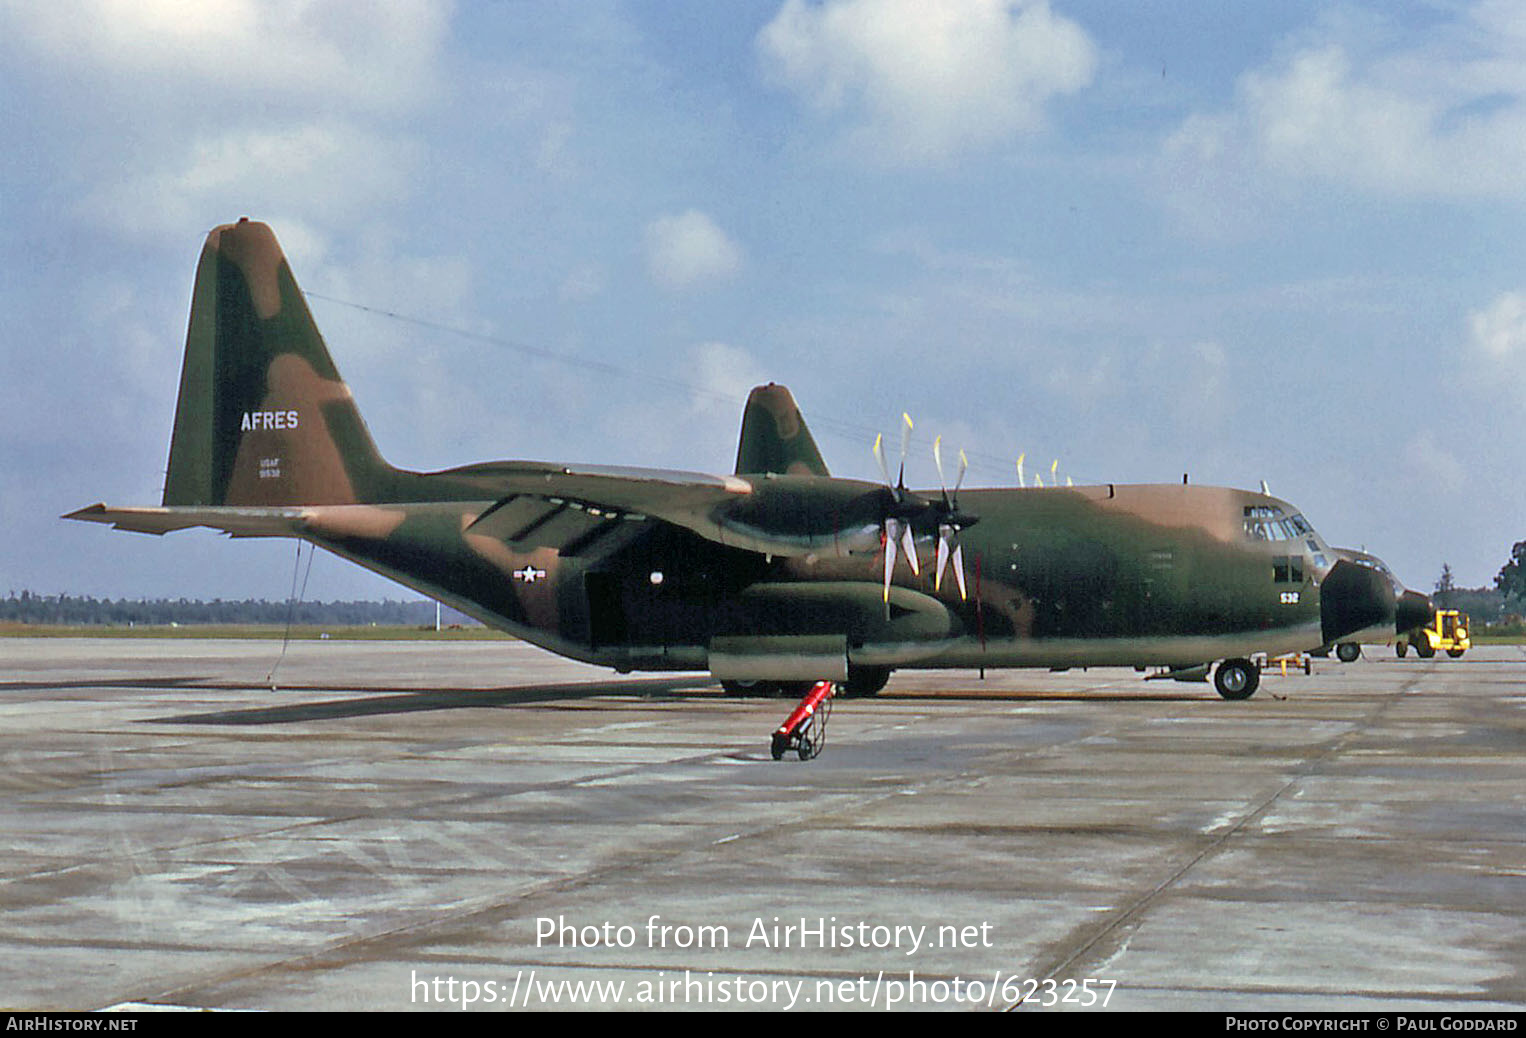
x,y
772,577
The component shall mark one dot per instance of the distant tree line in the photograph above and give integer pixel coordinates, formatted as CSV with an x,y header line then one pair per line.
x,y
1511,581
28,608
1504,602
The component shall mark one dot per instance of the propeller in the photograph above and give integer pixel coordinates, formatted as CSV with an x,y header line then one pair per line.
x,y
905,512
950,522
897,530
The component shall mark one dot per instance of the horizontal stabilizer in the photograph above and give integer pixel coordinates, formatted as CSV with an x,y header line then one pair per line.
x,y
239,522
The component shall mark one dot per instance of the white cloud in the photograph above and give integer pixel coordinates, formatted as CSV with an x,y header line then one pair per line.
x,y
921,80
177,115
1436,466
722,376
329,171
371,53
688,248
1498,334
1445,118
1499,330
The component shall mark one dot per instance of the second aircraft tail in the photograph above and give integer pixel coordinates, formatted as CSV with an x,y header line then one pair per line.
x,y
775,438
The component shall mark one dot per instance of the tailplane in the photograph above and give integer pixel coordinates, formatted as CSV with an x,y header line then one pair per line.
x,y
263,417
775,438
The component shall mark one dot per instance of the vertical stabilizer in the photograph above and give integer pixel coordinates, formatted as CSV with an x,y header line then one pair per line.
x,y
263,417
774,436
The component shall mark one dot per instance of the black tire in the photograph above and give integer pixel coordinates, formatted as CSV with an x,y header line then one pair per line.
x,y
865,681
1348,652
1456,653
778,745
745,688
1237,679
1401,649
1424,650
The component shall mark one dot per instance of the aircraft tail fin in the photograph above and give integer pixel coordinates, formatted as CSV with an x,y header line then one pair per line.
x,y
775,438
263,418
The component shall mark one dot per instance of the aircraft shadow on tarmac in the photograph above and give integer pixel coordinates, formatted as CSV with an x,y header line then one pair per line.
x,y
403,701
146,683
408,700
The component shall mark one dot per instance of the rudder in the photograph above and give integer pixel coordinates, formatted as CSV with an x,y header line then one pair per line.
x,y
263,417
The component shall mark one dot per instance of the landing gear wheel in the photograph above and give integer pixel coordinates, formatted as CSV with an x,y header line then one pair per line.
x,y
1237,679
865,681
743,688
1347,652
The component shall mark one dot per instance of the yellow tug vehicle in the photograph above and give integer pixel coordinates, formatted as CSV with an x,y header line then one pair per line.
x,y
1447,630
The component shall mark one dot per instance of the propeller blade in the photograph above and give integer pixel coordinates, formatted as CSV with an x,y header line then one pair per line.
x,y
938,461
879,456
1020,481
945,534
909,543
959,570
964,465
900,481
892,535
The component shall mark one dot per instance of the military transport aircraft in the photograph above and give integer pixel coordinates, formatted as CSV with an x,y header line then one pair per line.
x,y
776,576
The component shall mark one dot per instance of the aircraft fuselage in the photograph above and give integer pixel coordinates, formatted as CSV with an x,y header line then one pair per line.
x,y
1114,574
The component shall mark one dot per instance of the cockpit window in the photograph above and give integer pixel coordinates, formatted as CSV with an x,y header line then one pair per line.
x,y
1268,523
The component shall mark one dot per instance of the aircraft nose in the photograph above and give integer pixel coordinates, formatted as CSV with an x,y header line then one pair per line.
x,y
1352,598
1414,610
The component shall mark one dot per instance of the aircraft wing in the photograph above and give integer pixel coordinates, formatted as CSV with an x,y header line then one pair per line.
x,y
689,499
239,522
775,516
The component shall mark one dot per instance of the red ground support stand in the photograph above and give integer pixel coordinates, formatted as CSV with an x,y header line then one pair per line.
x,y
805,730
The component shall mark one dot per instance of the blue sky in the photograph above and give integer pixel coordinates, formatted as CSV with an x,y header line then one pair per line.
x,y
1262,241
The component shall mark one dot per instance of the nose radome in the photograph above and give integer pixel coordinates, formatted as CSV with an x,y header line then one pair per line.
x,y
1413,610
1351,598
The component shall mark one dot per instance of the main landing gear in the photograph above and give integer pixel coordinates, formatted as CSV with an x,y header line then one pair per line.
x,y
862,681
1237,679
